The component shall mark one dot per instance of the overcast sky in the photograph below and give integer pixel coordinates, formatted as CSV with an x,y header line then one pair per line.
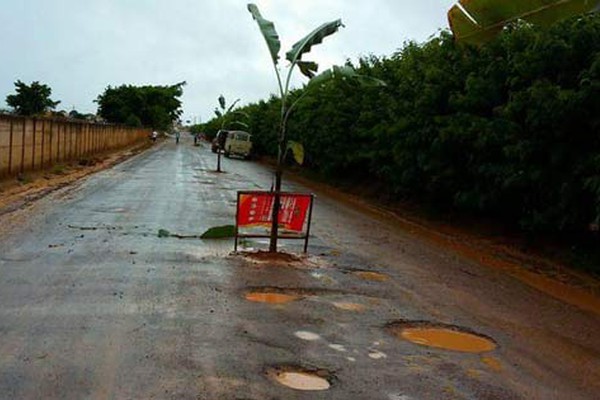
x,y
79,47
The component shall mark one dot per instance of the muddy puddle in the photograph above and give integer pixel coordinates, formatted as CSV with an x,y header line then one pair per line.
x,y
446,337
356,307
281,259
300,379
492,363
276,295
271,298
371,276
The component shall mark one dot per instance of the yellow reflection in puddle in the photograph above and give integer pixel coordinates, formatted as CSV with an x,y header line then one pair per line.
x,y
271,298
371,276
350,306
492,363
448,339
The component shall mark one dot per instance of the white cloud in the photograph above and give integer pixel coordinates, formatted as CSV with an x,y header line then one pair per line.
x,y
80,47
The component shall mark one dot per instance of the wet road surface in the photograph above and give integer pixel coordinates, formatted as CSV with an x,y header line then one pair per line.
x,y
94,305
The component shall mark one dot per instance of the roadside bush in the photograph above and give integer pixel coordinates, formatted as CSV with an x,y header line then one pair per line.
x,y
509,130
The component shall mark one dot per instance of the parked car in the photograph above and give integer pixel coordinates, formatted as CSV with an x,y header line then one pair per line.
x,y
238,143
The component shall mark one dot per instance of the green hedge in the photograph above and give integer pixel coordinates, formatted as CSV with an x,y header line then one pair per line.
x,y
510,130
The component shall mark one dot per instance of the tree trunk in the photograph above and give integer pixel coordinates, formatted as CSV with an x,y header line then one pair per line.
x,y
277,197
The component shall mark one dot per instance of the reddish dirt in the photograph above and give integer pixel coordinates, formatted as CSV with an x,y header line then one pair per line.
x,y
549,276
18,193
265,256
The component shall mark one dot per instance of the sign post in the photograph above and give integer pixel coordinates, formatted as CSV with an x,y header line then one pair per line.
x,y
254,211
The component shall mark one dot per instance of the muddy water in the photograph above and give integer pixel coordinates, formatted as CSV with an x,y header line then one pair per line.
x,y
492,363
349,306
305,335
302,381
447,339
371,276
271,298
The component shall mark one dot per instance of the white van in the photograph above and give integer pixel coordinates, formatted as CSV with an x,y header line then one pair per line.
x,y
238,143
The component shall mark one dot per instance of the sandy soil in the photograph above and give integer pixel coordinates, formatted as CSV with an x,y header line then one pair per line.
x,y
18,193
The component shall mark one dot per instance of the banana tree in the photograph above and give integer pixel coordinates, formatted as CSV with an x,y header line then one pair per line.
x,y
478,21
223,112
307,68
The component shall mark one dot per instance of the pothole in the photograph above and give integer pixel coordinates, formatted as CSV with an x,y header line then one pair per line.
x,y
349,306
492,363
441,336
300,378
306,335
277,295
371,276
271,298
279,259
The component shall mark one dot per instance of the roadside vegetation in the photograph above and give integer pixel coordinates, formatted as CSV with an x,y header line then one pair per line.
x,y
33,99
148,106
509,130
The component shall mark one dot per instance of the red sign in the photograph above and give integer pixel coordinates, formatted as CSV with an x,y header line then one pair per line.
x,y
256,208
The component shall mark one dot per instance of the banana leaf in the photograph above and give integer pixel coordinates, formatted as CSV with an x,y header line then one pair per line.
x,y
308,68
267,28
219,232
478,21
346,73
304,45
297,151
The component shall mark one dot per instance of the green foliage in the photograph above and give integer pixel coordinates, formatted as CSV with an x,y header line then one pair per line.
x,y
151,106
508,130
297,151
479,21
163,233
268,31
31,99
219,232
304,45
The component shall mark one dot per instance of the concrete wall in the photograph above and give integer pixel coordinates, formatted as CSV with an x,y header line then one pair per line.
x,y
28,144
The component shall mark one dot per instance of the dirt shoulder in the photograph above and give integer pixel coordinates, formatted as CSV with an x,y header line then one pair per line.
x,y
495,251
18,192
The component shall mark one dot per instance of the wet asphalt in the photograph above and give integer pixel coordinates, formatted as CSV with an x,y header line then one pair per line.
x,y
94,305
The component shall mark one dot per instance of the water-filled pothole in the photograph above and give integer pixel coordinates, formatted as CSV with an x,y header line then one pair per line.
x,y
301,379
371,276
271,298
447,337
278,295
349,306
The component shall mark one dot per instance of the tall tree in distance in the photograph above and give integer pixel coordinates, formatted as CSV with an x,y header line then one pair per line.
x,y
150,106
31,99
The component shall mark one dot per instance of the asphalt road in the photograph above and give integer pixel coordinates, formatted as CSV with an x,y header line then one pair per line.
x,y
94,305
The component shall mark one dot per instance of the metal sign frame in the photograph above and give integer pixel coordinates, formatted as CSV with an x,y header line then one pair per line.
x,y
303,236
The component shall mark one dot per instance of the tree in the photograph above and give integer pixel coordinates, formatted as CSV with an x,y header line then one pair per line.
x,y
151,106
31,99
308,69
508,130
225,114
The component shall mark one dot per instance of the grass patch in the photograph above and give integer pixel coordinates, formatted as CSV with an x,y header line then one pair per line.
x,y
59,169
163,233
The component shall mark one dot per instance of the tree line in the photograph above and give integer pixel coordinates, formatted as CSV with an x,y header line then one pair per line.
x,y
509,130
138,106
